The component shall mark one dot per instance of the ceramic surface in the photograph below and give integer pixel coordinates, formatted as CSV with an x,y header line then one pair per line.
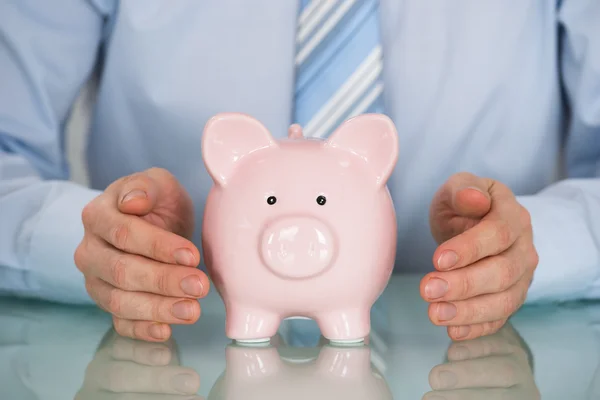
x,y
299,227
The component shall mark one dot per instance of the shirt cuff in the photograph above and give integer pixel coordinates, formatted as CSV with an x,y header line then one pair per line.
x,y
568,255
55,235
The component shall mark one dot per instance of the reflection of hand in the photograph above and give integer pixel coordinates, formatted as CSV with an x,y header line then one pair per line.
x,y
124,368
487,368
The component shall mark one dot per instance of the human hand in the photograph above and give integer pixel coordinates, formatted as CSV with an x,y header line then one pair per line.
x,y
485,260
132,369
486,368
136,256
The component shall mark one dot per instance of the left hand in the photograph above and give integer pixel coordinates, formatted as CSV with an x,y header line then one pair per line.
x,y
485,260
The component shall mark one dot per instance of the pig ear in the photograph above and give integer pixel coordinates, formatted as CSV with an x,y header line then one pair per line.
x,y
373,138
228,138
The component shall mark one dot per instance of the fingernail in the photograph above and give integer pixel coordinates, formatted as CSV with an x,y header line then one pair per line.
x,y
461,353
436,288
183,310
160,356
447,380
157,331
446,311
462,331
134,194
184,383
192,286
184,257
447,259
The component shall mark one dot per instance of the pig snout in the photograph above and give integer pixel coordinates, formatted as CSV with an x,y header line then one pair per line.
x,y
297,247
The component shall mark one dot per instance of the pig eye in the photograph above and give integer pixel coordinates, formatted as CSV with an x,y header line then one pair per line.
x,y
271,200
321,200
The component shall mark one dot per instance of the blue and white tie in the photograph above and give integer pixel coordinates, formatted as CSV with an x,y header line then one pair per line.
x,y
339,63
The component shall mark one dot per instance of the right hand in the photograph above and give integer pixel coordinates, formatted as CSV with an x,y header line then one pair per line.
x,y
137,258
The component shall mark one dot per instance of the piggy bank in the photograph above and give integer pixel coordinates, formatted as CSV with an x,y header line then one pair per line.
x,y
326,373
299,227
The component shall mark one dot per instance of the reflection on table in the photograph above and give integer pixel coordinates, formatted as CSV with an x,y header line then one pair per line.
x,y
50,351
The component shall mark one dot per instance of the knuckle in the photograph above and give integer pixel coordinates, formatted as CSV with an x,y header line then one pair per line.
x,y
508,274
478,250
88,213
161,281
138,330
462,176
120,234
476,313
503,234
154,248
159,172
119,326
79,257
130,178
156,308
525,218
118,271
490,328
534,258
88,288
467,285
509,305
114,302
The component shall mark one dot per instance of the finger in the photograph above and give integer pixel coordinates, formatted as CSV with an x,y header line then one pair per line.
x,y
513,393
480,309
136,194
470,194
490,275
484,346
468,332
494,371
135,273
128,377
139,306
148,331
141,352
134,235
495,233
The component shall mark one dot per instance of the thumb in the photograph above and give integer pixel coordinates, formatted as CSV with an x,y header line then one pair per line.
x,y
137,195
470,195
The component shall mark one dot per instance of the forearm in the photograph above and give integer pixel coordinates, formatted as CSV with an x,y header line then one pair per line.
x,y
41,227
566,231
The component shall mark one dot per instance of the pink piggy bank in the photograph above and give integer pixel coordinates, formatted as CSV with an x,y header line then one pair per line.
x,y
299,227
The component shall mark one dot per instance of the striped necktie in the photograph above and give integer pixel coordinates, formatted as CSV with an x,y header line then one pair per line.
x,y
338,63
338,75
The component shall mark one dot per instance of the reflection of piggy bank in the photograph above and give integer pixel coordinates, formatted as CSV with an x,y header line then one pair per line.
x,y
331,373
299,227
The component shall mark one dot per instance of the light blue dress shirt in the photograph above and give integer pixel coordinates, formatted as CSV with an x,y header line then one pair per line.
x,y
504,89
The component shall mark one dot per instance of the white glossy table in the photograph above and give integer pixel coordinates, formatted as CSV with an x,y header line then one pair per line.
x,y
50,351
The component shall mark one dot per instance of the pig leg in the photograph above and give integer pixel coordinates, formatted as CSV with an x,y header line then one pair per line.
x,y
246,324
345,326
